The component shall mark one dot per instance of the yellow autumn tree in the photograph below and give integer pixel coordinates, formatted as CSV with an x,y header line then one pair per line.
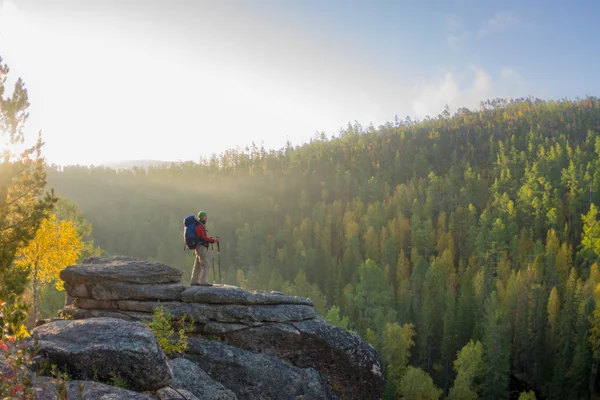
x,y
56,245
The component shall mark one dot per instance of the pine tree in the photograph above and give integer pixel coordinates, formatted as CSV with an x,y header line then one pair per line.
x,y
449,338
22,180
497,348
567,328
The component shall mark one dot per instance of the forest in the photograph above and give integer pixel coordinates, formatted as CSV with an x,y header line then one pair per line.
x,y
463,247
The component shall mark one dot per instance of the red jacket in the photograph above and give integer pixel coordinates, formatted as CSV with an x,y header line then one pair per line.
x,y
201,233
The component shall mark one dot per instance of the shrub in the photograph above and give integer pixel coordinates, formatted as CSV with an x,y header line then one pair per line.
x,y
17,367
163,326
16,377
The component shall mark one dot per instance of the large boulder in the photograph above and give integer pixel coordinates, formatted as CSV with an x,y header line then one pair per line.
x,y
256,376
225,294
188,376
121,269
285,329
102,348
351,365
46,389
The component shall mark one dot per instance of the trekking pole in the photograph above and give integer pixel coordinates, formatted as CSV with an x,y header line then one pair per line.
x,y
219,259
212,250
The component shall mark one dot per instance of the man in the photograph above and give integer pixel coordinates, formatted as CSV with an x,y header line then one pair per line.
x,y
201,263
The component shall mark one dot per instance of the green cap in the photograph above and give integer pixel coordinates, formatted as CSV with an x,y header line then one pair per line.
x,y
201,214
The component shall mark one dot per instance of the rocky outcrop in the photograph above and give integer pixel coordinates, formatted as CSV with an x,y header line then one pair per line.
x,y
270,345
340,355
226,294
256,376
188,376
46,389
103,348
120,269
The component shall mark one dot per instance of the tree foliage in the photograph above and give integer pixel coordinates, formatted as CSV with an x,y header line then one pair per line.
x,y
480,226
417,385
470,369
22,182
56,245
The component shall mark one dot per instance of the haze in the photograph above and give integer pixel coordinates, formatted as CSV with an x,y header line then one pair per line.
x,y
176,80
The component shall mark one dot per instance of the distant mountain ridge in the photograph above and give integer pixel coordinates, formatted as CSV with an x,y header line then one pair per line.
x,y
129,164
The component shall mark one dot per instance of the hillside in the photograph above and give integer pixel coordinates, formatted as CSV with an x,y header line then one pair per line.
x,y
479,227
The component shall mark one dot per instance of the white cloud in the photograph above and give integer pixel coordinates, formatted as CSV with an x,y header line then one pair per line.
x,y
501,21
432,97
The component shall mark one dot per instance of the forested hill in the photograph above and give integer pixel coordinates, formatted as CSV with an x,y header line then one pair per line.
x,y
478,226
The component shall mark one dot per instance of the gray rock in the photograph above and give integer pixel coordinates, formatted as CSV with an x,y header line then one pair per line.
x,y
46,389
225,294
90,304
205,313
174,393
226,313
218,328
121,269
71,312
255,376
106,291
189,376
350,364
122,291
105,347
208,328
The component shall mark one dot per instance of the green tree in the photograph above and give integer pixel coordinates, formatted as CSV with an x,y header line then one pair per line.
x,y
591,232
566,338
333,317
372,299
397,342
22,181
527,395
470,371
497,347
417,385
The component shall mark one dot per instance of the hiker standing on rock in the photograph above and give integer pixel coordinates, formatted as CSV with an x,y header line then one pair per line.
x,y
201,262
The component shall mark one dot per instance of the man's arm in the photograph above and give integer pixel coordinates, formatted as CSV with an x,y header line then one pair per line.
x,y
202,233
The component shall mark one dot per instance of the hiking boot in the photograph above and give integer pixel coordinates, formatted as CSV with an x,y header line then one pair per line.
x,y
206,284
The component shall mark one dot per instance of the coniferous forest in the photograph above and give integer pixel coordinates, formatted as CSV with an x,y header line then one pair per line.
x,y
462,247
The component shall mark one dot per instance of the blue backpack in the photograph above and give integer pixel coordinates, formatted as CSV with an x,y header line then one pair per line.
x,y
189,232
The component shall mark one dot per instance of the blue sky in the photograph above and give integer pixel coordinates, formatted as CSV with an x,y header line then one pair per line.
x,y
174,80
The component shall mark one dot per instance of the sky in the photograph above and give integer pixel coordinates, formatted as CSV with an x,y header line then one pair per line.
x,y
176,80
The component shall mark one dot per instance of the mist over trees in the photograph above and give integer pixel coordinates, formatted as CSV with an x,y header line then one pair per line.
x,y
463,247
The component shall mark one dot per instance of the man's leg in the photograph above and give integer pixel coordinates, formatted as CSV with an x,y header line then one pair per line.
x,y
197,267
205,264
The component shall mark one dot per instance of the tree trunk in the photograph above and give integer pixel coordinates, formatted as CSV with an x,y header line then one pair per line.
x,y
36,294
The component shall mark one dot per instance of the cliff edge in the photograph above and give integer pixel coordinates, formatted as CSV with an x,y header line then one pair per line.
x,y
243,344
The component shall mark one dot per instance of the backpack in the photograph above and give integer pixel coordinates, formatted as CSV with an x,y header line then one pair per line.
x,y
190,238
